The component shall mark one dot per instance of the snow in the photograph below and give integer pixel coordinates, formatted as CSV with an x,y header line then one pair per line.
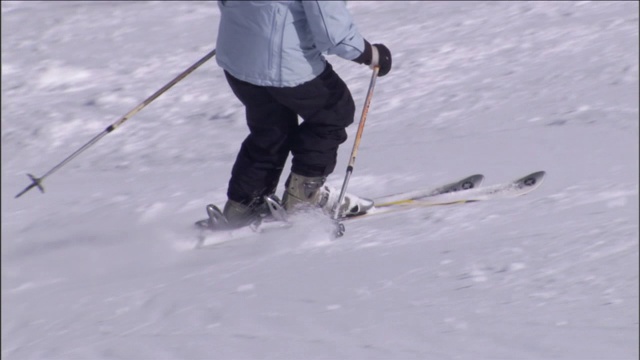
x,y
99,268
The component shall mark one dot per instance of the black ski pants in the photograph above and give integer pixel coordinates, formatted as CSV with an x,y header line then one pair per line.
x,y
326,107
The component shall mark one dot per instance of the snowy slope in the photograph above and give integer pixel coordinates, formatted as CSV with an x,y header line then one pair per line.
x,y
96,268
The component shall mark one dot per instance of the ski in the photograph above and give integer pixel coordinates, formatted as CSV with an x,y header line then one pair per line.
x,y
216,224
467,183
208,237
214,230
511,189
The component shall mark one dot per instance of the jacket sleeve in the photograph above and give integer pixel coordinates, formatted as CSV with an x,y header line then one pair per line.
x,y
333,29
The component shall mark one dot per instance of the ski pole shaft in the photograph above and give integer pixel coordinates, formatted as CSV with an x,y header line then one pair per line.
x,y
37,182
356,145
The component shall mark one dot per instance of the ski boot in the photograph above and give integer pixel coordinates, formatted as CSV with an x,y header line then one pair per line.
x,y
311,192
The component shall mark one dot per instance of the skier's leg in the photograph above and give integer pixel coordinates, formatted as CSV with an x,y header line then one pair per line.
x,y
263,153
327,108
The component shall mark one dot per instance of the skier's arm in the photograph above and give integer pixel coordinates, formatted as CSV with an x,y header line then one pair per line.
x,y
335,33
333,29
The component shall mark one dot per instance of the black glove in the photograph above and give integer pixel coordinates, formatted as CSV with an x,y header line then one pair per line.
x,y
384,59
376,55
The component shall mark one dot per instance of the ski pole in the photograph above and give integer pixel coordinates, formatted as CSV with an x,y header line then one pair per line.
x,y
339,231
37,182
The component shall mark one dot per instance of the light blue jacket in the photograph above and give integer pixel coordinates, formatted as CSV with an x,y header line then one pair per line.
x,y
281,43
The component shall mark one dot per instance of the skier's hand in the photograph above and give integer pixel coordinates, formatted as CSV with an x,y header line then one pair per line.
x,y
381,57
376,55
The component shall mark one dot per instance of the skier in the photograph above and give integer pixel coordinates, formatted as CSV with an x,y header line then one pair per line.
x,y
271,53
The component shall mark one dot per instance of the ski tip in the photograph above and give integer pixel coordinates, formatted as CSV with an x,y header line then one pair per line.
x,y
476,179
471,182
538,174
533,179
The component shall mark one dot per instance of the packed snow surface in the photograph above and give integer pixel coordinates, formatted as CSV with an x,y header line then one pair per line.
x,y
101,266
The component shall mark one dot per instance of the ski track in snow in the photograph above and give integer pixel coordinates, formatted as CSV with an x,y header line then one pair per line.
x,y
101,266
